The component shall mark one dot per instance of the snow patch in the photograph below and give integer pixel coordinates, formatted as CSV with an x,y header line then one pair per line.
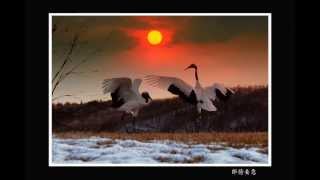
x,y
115,151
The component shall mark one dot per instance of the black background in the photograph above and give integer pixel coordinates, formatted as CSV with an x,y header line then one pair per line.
x,y
36,88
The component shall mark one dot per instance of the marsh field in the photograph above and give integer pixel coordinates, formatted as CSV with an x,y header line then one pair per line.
x,y
246,111
166,132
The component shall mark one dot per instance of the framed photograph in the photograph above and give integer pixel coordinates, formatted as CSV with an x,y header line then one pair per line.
x,y
160,89
167,90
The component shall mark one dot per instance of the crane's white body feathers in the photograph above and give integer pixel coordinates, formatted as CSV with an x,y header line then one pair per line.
x,y
204,96
128,91
203,99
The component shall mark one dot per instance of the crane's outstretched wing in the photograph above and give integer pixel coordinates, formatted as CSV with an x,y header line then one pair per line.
x,y
174,85
218,91
120,89
136,85
110,85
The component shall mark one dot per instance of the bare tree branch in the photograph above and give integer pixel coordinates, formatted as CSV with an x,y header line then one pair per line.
x,y
73,44
60,73
64,76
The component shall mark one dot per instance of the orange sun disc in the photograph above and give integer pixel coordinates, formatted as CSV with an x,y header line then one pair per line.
x,y
154,37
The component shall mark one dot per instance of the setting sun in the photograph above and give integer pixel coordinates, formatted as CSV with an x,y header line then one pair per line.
x,y
154,37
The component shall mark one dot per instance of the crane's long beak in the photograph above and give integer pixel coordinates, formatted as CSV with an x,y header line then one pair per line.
x,y
187,68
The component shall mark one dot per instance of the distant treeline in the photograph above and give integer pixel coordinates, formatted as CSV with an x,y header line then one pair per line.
x,y
246,110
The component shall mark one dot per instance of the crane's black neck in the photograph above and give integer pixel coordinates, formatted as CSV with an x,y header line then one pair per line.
x,y
196,73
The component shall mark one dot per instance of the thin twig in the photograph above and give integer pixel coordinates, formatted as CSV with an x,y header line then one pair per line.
x,y
63,76
73,44
77,65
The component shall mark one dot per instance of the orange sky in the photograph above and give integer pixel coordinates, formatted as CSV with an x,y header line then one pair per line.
x,y
223,51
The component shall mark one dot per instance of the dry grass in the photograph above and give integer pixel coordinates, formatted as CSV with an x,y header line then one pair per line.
x,y
237,140
195,159
163,159
104,144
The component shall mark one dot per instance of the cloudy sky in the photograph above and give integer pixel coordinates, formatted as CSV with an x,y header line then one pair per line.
x,y
227,49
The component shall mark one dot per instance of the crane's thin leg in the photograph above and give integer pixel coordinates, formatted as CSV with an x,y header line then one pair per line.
x,y
122,118
134,123
198,117
123,115
197,122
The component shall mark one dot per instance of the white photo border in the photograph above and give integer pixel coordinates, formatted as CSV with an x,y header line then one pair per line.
x,y
52,164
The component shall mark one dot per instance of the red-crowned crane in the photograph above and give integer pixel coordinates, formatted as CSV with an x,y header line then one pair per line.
x,y
125,95
201,97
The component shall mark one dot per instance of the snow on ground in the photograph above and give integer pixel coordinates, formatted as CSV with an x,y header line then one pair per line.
x,y
109,151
